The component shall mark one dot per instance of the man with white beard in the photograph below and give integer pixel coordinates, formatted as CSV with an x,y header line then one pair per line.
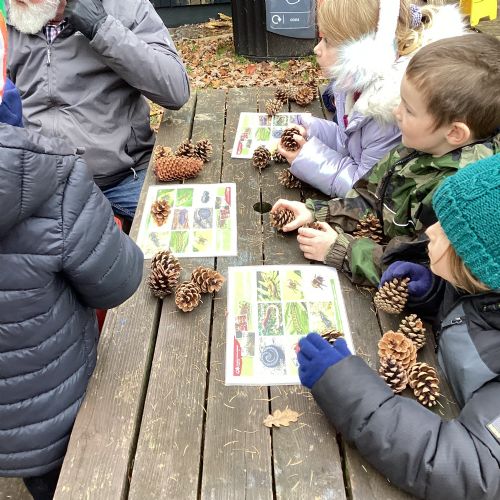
x,y
83,68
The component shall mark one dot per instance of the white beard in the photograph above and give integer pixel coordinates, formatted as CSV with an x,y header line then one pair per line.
x,y
31,18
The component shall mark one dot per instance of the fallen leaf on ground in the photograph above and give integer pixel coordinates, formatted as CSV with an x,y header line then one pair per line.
x,y
281,418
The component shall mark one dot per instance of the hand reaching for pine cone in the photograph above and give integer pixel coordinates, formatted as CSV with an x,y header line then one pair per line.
x,y
302,214
315,243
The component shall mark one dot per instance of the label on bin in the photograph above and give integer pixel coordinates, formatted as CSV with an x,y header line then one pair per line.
x,y
292,18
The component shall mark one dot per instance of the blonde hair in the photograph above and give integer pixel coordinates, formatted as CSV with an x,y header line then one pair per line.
x,y
348,20
462,277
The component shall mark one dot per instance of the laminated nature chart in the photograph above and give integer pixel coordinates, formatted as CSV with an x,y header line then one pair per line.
x,y
269,309
259,129
201,223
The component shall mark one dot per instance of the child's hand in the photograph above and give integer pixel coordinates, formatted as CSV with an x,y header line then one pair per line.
x,y
302,214
301,140
420,276
302,130
315,243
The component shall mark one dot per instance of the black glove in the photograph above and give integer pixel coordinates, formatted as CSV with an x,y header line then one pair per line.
x,y
86,16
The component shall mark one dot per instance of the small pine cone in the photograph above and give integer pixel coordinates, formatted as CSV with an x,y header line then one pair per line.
x,y
394,374
186,148
261,157
207,279
304,96
287,140
289,180
273,106
314,225
165,272
332,335
160,211
396,345
281,218
285,93
187,296
413,328
203,150
369,227
392,297
424,381
313,85
277,157
161,152
177,168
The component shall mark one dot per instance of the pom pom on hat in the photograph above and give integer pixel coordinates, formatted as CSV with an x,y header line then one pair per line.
x,y
467,205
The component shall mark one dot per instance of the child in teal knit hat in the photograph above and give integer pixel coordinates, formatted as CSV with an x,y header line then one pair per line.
x,y
409,444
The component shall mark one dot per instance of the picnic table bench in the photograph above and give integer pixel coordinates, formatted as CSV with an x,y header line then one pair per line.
x,y
158,420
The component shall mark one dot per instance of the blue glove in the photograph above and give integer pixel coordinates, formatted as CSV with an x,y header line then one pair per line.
x,y
86,16
420,276
316,355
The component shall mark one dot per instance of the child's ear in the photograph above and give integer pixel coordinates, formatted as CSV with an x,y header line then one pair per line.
x,y
458,134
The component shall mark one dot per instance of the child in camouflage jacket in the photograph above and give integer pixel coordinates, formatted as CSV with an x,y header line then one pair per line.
x,y
449,116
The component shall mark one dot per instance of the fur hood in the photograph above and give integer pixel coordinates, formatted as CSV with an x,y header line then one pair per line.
x,y
365,66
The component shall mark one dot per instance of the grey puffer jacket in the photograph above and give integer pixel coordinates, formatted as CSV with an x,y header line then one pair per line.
x,y
90,93
418,451
61,256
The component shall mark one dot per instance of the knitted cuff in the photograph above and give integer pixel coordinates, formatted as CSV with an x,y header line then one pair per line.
x,y
338,251
318,208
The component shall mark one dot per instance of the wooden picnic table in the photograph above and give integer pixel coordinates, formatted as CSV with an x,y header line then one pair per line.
x,y
158,420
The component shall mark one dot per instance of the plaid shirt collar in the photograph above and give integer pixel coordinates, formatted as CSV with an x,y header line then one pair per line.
x,y
52,31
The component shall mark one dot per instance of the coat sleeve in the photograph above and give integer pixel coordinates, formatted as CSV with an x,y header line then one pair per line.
x,y
326,131
103,265
144,56
412,446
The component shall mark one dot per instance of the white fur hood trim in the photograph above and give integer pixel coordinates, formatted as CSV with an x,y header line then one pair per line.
x,y
366,67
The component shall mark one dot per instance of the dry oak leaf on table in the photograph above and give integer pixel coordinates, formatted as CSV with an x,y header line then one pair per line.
x,y
281,418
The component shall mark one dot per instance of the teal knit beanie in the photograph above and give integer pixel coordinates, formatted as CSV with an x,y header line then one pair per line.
x,y
467,205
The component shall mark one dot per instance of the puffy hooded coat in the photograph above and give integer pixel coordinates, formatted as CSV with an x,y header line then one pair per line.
x,y
61,256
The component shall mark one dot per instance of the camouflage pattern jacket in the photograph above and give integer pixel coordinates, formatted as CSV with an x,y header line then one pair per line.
x,y
398,190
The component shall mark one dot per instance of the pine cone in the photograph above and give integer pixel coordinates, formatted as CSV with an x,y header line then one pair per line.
x,y
424,381
278,157
369,227
413,328
161,152
314,225
207,279
304,96
203,150
187,296
160,211
396,345
332,335
392,297
285,93
281,218
394,374
289,180
165,272
287,140
273,106
261,157
186,148
177,168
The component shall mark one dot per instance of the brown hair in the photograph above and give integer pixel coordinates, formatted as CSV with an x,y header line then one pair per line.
x,y
462,277
348,20
459,79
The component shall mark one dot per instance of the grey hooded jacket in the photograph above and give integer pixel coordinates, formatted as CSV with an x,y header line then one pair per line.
x,y
61,256
91,92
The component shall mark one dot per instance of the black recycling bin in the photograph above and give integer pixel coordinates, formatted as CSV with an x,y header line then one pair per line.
x,y
274,29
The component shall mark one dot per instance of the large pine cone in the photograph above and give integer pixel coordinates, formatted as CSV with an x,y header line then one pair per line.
x,y
413,327
187,296
273,106
208,280
424,381
165,272
395,345
287,140
186,148
278,157
304,96
160,211
177,168
261,157
203,150
161,152
369,227
394,374
332,335
287,179
285,93
281,218
392,297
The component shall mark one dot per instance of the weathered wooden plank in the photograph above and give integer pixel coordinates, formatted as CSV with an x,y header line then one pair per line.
x,y
107,425
13,489
237,447
307,461
168,458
